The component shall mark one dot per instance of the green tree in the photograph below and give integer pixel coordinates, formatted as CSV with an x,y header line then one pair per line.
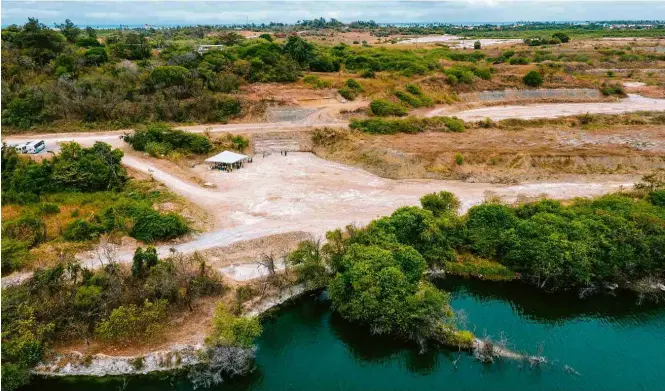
x,y
131,323
230,330
69,30
95,56
309,264
383,290
533,79
39,42
440,203
299,49
476,45
266,36
561,37
384,108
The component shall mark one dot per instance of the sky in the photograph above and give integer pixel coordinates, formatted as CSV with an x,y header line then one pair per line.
x,y
105,13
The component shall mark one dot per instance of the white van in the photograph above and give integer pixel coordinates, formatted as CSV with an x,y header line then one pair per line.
x,y
31,147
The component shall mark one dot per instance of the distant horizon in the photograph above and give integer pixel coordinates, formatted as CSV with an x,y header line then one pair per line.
x,y
397,24
467,12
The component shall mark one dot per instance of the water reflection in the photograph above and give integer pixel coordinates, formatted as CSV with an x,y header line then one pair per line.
x,y
539,305
369,348
306,347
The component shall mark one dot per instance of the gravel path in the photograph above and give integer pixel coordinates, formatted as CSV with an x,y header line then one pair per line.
x,y
301,192
552,110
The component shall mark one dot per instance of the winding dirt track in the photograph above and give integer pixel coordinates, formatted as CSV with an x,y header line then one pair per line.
x,y
301,192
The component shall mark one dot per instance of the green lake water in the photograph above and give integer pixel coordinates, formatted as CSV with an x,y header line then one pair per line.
x,y
600,343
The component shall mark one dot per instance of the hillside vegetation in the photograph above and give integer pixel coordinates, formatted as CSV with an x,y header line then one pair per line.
x,y
75,196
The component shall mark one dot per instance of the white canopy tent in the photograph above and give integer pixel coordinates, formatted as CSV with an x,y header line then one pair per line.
x,y
227,157
227,160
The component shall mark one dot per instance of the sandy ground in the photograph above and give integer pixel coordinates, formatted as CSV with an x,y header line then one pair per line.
x,y
458,42
550,110
300,192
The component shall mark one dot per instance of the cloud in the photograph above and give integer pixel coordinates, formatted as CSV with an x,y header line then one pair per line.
x,y
104,15
261,11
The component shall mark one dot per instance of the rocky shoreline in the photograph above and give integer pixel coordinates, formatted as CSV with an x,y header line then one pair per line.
x,y
178,356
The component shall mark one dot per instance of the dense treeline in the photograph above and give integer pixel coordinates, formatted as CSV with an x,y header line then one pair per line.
x,y
377,270
138,76
618,238
115,79
70,302
593,29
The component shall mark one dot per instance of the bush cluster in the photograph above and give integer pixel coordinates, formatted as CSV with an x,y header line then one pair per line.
x,y
386,108
408,125
159,139
351,89
533,79
466,74
413,96
69,302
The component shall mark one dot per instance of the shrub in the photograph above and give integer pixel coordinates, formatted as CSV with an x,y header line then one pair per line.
x,y
27,228
440,203
82,230
161,139
88,296
347,93
656,198
561,37
413,89
384,108
533,79
316,82
230,330
476,45
167,76
608,89
157,149
368,74
459,159
133,323
48,208
519,61
14,254
239,143
408,125
354,85
149,225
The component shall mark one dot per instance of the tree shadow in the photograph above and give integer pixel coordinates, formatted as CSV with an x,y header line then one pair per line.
x,y
377,349
540,305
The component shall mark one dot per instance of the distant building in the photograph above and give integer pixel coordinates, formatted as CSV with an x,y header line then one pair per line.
x,y
205,48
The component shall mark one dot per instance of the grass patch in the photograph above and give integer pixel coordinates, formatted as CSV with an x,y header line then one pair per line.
x,y
471,266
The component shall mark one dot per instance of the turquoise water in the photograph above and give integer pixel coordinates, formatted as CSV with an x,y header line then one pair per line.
x,y
601,343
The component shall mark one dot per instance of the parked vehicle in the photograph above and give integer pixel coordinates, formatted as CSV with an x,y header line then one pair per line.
x,y
30,147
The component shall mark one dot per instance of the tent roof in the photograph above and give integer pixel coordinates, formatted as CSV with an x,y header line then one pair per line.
x,y
227,157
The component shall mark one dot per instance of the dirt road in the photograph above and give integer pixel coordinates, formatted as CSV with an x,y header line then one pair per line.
x,y
300,192
552,110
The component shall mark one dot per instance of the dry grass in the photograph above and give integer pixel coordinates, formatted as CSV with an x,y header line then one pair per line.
x,y
509,152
